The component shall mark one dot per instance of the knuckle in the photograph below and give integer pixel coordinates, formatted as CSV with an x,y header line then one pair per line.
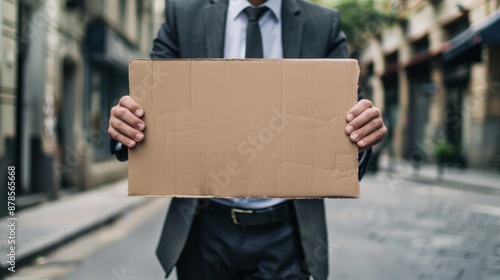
x,y
356,123
125,129
119,125
121,112
124,100
377,122
368,102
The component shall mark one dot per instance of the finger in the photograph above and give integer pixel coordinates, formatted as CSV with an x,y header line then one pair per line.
x,y
126,130
366,116
372,139
359,108
129,103
125,115
121,138
365,130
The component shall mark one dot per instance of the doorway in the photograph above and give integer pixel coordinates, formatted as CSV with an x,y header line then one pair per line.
x,y
68,157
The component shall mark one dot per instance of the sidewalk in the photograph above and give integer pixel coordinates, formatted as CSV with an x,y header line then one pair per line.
x,y
45,226
467,178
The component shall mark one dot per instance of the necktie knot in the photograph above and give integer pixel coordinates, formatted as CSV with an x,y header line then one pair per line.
x,y
254,13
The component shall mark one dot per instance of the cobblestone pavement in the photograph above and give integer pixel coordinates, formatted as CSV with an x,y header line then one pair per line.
x,y
414,231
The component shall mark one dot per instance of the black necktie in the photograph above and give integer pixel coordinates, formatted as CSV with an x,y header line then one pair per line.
x,y
254,38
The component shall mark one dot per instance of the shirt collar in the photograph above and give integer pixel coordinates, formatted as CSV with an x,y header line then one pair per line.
x,y
237,6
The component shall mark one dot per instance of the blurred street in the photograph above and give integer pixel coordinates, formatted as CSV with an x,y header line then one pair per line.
x,y
429,209
396,230
414,231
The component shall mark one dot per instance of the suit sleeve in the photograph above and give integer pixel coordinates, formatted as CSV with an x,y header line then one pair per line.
x,y
166,44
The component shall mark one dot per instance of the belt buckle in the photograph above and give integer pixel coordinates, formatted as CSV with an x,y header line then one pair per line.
x,y
235,211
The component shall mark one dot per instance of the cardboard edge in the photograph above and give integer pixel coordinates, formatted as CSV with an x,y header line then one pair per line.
x,y
208,196
356,78
355,81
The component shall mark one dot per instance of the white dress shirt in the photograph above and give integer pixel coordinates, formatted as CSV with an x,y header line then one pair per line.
x,y
236,26
235,47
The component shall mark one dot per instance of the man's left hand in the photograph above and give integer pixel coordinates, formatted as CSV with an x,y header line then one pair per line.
x,y
365,125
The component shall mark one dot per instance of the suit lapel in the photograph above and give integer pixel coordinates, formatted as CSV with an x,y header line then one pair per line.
x,y
214,19
292,29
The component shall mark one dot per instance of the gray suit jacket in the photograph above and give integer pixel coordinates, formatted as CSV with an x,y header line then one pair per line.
x,y
195,29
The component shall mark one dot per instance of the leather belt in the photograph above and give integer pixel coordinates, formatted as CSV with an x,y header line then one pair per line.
x,y
248,217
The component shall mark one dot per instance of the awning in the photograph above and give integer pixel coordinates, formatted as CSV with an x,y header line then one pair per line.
x,y
487,32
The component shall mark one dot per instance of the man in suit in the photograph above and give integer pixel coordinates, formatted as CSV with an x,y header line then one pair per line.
x,y
247,238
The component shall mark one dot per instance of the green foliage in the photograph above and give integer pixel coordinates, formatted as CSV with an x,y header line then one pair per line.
x,y
444,149
362,19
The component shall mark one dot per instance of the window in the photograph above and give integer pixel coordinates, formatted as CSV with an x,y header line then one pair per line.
x,y
420,45
391,58
74,4
456,27
369,69
391,63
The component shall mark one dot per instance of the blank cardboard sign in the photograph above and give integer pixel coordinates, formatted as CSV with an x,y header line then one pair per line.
x,y
244,128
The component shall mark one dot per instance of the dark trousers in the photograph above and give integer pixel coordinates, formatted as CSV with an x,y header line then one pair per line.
x,y
219,249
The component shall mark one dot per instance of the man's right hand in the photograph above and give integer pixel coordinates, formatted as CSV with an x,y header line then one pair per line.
x,y
125,123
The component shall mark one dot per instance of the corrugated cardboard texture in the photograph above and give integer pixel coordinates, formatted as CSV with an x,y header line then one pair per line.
x,y
244,128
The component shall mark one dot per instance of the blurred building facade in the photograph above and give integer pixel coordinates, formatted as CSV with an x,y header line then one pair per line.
x,y
64,64
436,74
8,68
